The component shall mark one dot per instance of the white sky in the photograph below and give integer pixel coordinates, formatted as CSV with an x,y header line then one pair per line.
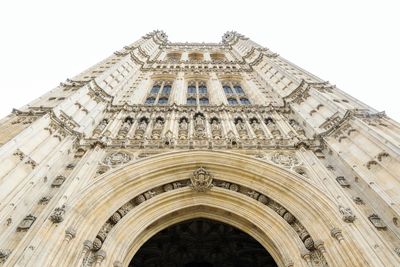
x,y
353,44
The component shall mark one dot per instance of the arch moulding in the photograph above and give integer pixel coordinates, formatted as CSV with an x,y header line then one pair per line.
x,y
271,204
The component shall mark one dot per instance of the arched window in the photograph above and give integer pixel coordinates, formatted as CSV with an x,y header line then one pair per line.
x,y
203,101
191,101
217,56
191,89
155,89
174,56
166,89
202,89
232,101
227,89
163,101
244,101
196,56
150,100
239,90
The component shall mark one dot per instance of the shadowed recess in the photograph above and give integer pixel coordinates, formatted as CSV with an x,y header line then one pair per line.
x,y
202,243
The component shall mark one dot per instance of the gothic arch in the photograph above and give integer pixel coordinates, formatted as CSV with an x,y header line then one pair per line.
x,y
96,203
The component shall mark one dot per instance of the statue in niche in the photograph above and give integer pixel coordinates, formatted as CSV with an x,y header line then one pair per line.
x,y
199,121
240,125
377,221
26,223
126,125
215,126
183,125
255,125
158,125
102,125
142,125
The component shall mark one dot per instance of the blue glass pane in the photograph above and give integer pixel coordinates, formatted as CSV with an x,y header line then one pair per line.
x,y
228,89
155,89
202,89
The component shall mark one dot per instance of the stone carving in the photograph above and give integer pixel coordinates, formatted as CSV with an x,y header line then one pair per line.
x,y
286,159
337,233
44,200
169,139
216,130
60,179
172,186
26,223
4,254
358,201
70,166
377,222
342,181
347,214
126,126
117,158
58,214
141,129
183,130
199,126
241,128
201,180
19,154
102,125
70,233
257,129
157,128
307,240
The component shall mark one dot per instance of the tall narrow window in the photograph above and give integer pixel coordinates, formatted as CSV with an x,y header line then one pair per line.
x,y
150,100
159,93
191,101
202,89
155,89
239,90
236,96
232,101
191,89
244,101
227,89
197,93
203,101
163,101
166,89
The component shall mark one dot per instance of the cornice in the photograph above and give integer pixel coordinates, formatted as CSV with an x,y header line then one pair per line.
x,y
190,108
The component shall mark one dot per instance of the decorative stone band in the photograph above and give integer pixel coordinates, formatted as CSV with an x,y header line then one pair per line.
x,y
202,181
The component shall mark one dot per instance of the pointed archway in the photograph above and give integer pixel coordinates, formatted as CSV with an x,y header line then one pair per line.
x,y
117,213
202,243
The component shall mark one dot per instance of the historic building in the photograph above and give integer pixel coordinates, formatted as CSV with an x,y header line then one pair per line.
x,y
198,155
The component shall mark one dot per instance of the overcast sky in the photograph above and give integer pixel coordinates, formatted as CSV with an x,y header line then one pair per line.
x,y
353,44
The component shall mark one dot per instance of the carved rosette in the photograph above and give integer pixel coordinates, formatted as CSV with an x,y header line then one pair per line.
x,y
201,180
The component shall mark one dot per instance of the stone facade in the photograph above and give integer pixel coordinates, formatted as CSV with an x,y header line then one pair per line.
x,y
163,132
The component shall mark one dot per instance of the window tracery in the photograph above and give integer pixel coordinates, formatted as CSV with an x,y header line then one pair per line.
x,y
159,93
236,95
197,93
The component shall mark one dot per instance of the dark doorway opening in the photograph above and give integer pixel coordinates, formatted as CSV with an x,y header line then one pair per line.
x,y
202,243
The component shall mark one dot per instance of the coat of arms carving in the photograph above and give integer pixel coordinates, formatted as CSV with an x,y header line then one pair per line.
x,y
201,180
